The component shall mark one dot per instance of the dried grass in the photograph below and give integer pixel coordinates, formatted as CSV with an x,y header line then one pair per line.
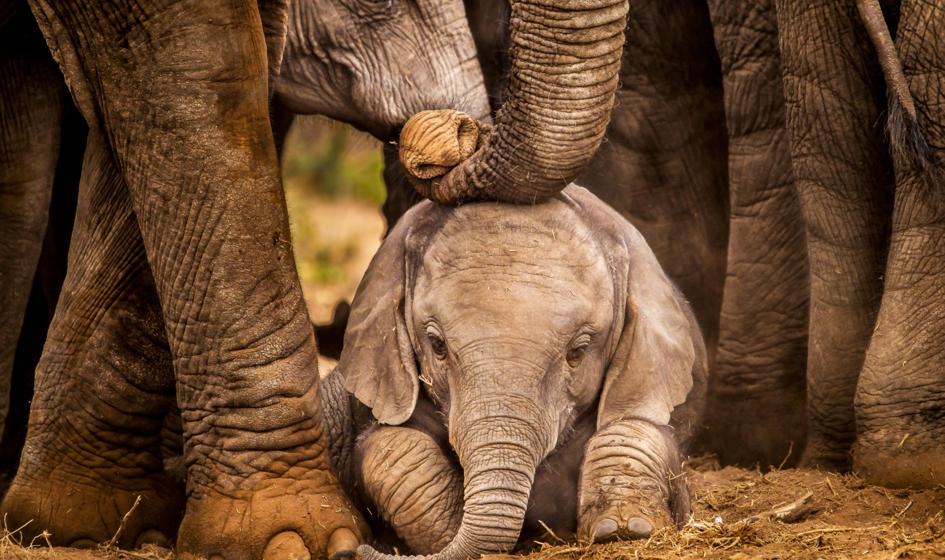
x,y
737,515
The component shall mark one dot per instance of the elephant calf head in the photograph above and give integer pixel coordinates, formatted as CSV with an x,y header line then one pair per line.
x,y
516,322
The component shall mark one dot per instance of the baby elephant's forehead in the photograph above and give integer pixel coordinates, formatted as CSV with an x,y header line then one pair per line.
x,y
547,247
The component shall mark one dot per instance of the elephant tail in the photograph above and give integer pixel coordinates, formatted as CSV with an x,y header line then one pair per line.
x,y
902,124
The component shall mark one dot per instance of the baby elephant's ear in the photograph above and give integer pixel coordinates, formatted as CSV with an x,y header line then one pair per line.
x,y
377,362
659,350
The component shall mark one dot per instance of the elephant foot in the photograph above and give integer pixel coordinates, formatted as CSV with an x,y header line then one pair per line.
x,y
79,513
900,468
900,396
824,455
774,436
634,516
278,519
630,483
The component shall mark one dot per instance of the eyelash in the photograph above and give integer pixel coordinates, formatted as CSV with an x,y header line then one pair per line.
x,y
437,343
577,349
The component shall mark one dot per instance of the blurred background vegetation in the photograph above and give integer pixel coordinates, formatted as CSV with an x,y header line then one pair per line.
x,y
334,190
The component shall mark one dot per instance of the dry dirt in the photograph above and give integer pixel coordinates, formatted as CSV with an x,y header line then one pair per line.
x,y
733,519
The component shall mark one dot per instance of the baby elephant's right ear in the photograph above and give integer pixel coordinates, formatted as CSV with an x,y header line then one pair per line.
x,y
377,361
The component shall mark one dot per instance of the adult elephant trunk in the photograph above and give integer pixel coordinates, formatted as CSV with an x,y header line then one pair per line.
x,y
499,456
564,60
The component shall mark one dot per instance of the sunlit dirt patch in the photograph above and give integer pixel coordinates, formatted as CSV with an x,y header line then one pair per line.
x,y
737,511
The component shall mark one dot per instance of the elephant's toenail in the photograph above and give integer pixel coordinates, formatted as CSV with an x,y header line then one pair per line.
x,y
287,545
605,530
83,543
342,544
639,528
152,536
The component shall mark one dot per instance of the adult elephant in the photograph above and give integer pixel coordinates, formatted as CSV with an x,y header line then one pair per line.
x,y
180,196
876,223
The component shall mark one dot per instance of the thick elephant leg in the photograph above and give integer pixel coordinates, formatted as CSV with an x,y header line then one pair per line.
x,y
103,387
197,156
413,485
834,93
47,284
32,99
631,483
663,164
900,399
755,411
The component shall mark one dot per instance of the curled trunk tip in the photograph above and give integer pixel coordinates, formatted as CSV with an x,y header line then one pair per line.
x,y
564,63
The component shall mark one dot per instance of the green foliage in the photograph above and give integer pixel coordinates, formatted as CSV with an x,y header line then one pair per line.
x,y
335,161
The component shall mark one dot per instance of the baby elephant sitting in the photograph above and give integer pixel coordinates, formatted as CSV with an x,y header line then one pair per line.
x,y
514,370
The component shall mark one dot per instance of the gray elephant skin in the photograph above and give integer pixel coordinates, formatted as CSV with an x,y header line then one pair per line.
x,y
516,368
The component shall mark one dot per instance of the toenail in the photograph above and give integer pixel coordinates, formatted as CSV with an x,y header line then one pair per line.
x,y
83,543
287,545
639,528
604,530
342,544
152,536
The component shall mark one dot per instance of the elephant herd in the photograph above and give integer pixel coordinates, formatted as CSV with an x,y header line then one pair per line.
x,y
753,265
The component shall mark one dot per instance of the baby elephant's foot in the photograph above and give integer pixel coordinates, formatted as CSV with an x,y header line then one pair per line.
x,y
631,483
413,485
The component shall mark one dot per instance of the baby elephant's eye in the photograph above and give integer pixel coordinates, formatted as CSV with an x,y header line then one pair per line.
x,y
576,354
437,344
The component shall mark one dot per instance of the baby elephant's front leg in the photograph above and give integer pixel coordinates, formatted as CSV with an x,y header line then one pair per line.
x,y
631,482
414,486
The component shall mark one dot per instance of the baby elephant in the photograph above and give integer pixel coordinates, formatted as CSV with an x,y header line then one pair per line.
x,y
516,369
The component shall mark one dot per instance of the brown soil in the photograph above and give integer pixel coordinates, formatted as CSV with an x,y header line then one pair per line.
x,y
733,519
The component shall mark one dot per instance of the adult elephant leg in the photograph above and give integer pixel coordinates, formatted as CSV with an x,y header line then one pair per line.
x,y
103,387
197,156
900,399
413,486
32,99
47,283
833,95
663,164
755,412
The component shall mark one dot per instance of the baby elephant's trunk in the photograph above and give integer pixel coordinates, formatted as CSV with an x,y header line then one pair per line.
x,y
499,456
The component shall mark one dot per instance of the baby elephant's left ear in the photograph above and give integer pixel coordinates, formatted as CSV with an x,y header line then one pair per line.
x,y
659,356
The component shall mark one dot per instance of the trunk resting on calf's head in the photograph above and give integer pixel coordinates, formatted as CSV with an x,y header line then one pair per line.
x,y
565,58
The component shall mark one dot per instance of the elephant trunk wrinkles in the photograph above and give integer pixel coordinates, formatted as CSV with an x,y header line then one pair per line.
x,y
499,456
565,59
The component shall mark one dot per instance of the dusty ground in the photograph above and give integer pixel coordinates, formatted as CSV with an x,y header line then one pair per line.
x,y
843,518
